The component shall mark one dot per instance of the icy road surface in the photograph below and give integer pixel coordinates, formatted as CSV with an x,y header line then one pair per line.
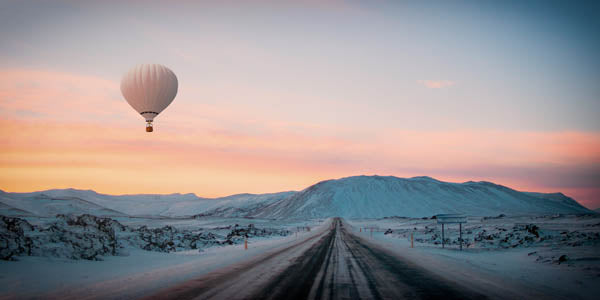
x,y
335,264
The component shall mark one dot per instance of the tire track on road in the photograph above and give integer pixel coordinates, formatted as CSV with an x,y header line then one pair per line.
x,y
339,265
219,282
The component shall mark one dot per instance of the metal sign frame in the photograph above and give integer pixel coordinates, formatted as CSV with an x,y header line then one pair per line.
x,y
452,219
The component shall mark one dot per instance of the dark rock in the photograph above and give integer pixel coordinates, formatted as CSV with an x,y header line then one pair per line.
x,y
13,241
563,258
90,237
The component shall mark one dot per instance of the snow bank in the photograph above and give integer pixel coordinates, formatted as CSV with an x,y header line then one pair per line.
x,y
541,257
142,272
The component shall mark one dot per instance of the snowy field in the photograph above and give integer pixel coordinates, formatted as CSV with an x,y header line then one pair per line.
x,y
528,254
128,257
122,257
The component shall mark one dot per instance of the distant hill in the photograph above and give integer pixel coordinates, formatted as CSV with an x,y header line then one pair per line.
x,y
7,210
377,196
72,201
53,202
351,197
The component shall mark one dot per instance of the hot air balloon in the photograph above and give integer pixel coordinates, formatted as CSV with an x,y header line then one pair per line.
x,y
149,89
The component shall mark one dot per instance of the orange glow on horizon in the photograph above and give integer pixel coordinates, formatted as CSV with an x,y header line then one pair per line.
x,y
51,138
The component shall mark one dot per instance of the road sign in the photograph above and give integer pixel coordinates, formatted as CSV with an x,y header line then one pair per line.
x,y
452,219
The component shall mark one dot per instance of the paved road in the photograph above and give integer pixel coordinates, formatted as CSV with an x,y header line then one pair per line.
x,y
333,265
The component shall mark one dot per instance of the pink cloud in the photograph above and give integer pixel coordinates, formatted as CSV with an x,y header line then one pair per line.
x,y
75,140
58,95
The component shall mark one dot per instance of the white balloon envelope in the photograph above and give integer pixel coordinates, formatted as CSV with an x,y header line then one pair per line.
x,y
149,89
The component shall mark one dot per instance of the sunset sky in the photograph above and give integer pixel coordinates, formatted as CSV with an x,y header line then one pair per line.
x,y
277,95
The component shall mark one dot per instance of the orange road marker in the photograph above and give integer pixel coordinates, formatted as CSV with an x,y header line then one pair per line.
x,y
246,243
411,240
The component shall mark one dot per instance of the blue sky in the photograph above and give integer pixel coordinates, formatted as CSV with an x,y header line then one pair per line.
x,y
366,74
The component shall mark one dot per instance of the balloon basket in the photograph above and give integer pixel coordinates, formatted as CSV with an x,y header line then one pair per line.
x,y
149,127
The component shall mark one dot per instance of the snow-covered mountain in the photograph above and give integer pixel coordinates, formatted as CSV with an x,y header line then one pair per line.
x,y
7,210
351,197
377,197
53,202
77,202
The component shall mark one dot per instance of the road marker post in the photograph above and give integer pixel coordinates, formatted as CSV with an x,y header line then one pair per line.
x,y
246,243
442,235
411,241
460,238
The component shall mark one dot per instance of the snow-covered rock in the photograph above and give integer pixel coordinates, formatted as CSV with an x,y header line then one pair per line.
x,y
85,237
13,241
90,237
501,232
